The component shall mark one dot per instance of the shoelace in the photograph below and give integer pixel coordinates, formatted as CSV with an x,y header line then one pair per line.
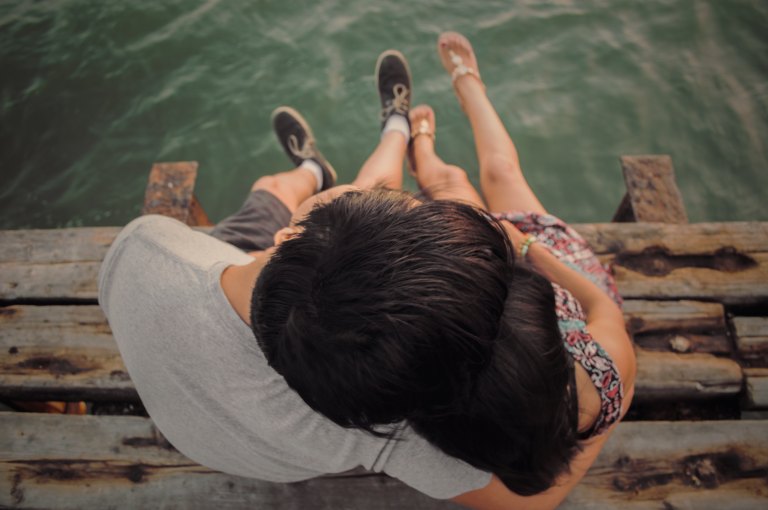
x,y
399,103
304,152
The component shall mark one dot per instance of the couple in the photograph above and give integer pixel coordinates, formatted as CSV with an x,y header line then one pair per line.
x,y
474,355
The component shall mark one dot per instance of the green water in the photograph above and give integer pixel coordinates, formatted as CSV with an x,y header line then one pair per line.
x,y
93,92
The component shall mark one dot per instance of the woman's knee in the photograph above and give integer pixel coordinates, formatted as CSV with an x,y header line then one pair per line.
x,y
499,168
452,175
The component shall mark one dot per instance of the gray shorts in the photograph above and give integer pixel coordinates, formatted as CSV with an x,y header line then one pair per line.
x,y
253,227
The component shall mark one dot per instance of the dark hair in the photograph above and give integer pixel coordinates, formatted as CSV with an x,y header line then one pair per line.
x,y
384,310
520,418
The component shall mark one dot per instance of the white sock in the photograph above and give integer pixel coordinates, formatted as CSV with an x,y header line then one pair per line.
x,y
397,123
316,171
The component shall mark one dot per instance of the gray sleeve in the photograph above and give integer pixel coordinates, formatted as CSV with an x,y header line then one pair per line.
x,y
419,464
105,270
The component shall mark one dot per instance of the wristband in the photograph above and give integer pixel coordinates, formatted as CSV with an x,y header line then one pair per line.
x,y
529,240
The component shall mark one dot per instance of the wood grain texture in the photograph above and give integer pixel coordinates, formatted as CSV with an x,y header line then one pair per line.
x,y
170,190
701,238
679,326
743,287
68,353
126,463
756,395
669,376
711,261
751,335
652,192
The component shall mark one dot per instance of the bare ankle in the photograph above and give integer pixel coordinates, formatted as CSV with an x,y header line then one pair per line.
x,y
468,86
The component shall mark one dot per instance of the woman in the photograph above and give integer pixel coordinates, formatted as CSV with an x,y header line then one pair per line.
x,y
531,398
591,325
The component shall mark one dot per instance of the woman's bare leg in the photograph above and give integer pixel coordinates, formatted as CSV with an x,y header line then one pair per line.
x,y
501,178
436,178
384,167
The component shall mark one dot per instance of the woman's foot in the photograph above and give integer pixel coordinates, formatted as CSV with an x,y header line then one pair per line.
x,y
459,60
422,120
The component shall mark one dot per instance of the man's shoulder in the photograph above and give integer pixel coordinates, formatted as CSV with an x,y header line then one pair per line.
x,y
155,249
152,227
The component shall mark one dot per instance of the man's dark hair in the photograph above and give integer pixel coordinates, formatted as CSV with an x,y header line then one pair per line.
x,y
384,309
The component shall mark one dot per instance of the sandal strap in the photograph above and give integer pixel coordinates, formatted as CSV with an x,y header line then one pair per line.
x,y
461,69
423,129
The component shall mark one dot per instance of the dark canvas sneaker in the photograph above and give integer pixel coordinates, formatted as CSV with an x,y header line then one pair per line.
x,y
394,82
295,135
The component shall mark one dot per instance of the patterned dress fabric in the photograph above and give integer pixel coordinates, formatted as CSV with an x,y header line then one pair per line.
x,y
571,249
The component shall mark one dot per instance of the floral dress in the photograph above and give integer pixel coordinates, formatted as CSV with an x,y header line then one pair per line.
x,y
571,249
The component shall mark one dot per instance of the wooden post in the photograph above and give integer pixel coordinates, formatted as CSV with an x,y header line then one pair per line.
x,y
652,194
170,192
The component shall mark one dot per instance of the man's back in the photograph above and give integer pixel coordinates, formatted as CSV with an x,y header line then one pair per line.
x,y
204,380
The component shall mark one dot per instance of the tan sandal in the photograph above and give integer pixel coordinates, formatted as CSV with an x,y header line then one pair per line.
x,y
459,68
419,128
422,129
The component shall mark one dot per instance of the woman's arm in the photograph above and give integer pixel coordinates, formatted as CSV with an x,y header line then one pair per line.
x,y
596,304
605,320
496,496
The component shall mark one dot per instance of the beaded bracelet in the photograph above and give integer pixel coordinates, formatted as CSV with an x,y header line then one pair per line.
x,y
526,245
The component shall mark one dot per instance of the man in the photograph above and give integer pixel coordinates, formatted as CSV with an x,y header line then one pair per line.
x,y
371,301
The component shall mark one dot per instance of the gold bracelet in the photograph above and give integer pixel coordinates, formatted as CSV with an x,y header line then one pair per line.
x,y
526,245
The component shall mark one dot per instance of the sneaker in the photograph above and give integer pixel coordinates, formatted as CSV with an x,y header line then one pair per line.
x,y
394,82
298,142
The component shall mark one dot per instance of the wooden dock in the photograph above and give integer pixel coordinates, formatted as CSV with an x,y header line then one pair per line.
x,y
696,306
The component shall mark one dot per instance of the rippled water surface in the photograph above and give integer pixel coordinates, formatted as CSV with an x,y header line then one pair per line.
x,y
93,92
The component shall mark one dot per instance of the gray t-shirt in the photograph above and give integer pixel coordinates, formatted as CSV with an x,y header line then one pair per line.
x,y
206,384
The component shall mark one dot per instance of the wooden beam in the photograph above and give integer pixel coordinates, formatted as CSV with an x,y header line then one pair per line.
x,y
744,237
679,326
756,395
120,462
68,353
743,287
725,262
60,353
668,376
170,192
751,335
652,193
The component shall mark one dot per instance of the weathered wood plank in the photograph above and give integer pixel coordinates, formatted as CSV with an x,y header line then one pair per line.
x,y
68,353
680,326
679,465
645,316
126,463
54,326
701,238
745,286
91,243
88,244
65,374
756,395
669,376
751,334
652,193
725,262
58,281
170,190
60,353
